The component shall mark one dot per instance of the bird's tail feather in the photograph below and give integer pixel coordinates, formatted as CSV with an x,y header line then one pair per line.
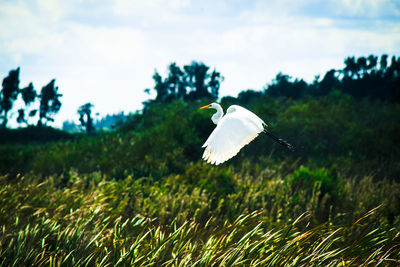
x,y
279,140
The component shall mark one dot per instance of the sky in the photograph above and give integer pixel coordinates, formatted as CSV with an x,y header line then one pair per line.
x,y
106,52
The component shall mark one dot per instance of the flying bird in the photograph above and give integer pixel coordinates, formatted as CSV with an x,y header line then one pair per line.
x,y
234,130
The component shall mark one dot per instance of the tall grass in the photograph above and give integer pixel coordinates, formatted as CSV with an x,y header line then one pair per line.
x,y
92,221
246,241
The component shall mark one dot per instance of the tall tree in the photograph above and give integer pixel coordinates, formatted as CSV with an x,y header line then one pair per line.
x,y
28,96
328,83
383,62
197,74
372,62
352,68
282,86
21,116
214,83
161,87
9,93
191,83
176,85
49,102
362,64
85,117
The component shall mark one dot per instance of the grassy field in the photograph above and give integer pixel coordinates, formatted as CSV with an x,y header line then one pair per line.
x,y
141,195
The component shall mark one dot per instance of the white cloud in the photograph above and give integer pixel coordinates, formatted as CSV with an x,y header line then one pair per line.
x,y
367,8
148,7
106,52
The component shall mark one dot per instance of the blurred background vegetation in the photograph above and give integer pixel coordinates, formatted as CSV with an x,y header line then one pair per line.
x,y
140,193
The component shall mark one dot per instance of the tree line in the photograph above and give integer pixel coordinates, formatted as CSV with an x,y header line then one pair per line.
x,y
372,76
361,77
48,101
192,82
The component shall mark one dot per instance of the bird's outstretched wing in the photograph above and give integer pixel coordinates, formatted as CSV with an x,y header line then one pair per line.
x,y
235,130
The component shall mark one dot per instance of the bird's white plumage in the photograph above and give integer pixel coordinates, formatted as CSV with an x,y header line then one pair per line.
x,y
234,130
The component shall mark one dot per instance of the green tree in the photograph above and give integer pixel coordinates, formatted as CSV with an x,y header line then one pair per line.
x,y
28,96
21,116
175,83
351,67
202,83
362,64
192,83
196,75
383,62
362,78
282,86
372,62
49,102
160,87
214,83
85,117
328,83
9,93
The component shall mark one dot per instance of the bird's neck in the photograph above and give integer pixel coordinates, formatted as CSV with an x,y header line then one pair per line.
x,y
218,115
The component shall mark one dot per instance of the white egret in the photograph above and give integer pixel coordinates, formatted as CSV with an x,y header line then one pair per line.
x,y
234,130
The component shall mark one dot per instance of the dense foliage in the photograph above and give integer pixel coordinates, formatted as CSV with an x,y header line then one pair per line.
x,y
192,82
141,195
361,77
336,130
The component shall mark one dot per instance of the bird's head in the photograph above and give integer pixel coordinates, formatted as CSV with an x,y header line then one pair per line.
x,y
218,115
212,105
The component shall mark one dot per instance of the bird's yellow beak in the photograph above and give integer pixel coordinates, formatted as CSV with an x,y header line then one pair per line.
x,y
206,106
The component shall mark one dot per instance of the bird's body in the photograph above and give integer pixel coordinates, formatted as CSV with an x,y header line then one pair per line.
x,y
234,130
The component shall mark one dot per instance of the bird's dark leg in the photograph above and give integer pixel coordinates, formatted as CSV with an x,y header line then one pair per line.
x,y
279,140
